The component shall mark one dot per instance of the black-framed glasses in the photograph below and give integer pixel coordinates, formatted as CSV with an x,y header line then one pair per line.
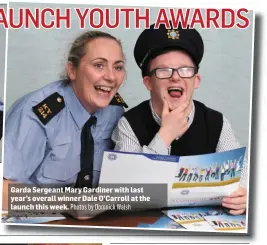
x,y
183,72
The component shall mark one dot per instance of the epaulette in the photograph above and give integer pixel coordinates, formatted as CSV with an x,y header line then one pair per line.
x,y
49,107
118,100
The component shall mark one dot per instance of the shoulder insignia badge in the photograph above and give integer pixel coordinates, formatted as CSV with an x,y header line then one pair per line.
x,y
118,100
49,107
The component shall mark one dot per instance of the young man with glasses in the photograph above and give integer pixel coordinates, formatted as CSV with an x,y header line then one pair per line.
x,y
171,122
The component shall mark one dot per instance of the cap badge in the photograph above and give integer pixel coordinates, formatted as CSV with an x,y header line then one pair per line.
x,y
173,34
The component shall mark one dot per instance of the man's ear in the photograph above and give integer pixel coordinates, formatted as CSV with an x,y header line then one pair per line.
x,y
147,82
197,81
71,71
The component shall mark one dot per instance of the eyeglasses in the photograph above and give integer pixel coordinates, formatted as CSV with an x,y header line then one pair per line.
x,y
183,72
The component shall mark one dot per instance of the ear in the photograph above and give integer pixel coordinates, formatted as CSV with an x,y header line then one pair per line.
x,y
197,81
147,82
71,71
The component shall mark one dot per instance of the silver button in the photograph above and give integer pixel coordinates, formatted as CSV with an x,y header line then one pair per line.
x,y
87,177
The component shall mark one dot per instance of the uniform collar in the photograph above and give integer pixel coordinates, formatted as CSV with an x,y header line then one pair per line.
x,y
79,113
158,119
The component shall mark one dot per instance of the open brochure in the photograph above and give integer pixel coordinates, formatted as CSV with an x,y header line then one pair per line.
x,y
207,219
132,182
191,180
163,222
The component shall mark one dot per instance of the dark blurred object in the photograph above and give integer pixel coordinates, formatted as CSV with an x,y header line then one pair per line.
x,y
1,124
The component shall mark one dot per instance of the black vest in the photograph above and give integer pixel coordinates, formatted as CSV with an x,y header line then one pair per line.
x,y
201,137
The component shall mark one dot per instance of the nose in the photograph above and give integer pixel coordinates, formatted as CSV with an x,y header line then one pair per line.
x,y
109,75
175,75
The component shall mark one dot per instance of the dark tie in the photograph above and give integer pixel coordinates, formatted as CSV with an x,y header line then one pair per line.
x,y
85,176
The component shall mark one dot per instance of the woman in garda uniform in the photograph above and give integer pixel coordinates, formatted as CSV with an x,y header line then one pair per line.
x,y
43,129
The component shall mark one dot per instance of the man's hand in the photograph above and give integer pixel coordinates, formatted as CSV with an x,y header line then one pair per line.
x,y
236,202
173,123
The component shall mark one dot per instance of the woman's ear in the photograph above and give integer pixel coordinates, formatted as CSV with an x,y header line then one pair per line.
x,y
71,71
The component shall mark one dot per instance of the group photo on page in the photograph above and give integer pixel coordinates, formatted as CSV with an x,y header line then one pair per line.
x,y
128,117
